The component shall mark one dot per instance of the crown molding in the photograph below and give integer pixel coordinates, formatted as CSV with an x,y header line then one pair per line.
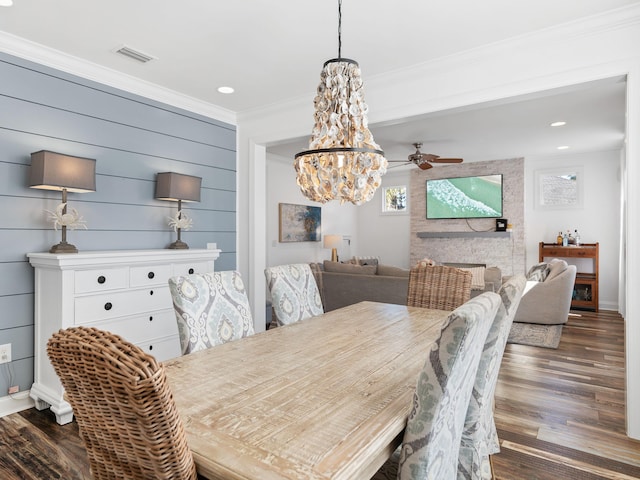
x,y
50,57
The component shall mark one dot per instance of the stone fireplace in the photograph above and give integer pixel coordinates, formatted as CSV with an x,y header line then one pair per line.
x,y
473,240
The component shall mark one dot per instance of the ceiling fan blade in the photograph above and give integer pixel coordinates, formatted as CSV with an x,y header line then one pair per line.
x,y
446,160
425,165
400,163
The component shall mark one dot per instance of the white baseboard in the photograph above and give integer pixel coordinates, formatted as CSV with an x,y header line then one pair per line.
x,y
15,403
608,306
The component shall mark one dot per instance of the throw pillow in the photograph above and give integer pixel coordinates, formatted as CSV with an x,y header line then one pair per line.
x,y
477,279
538,272
366,260
391,271
336,267
556,267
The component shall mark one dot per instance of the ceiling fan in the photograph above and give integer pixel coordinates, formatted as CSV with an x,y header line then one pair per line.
x,y
424,160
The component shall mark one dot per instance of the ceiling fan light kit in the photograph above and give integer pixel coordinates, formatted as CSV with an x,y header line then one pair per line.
x,y
343,161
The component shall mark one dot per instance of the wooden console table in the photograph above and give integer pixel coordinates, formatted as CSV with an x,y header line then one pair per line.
x,y
585,290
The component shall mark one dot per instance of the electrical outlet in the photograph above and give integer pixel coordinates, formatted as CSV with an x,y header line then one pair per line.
x,y
5,353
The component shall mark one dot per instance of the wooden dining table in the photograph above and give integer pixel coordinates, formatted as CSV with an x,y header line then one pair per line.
x,y
323,398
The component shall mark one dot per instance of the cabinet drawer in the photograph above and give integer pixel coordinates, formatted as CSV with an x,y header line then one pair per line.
x,y
190,268
141,328
163,348
150,275
101,279
104,306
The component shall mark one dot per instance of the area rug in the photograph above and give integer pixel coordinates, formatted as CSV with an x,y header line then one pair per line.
x,y
547,336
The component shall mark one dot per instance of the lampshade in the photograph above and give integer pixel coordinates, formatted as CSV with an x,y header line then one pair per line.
x,y
55,171
343,161
176,186
332,241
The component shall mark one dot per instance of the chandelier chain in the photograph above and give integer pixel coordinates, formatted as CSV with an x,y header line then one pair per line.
x,y
339,28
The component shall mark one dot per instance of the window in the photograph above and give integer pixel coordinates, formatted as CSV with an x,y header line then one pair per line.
x,y
394,199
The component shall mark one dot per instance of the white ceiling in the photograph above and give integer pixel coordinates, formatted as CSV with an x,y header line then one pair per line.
x,y
271,51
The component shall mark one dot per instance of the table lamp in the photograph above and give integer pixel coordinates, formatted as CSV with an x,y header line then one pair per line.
x,y
55,171
333,242
179,188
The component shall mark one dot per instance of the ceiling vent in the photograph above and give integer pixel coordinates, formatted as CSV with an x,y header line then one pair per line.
x,y
134,54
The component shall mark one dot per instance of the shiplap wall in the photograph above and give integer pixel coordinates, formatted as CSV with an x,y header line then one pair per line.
x,y
132,139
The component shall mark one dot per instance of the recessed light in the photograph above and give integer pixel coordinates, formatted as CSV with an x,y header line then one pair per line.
x,y
6,3
226,90
563,147
558,124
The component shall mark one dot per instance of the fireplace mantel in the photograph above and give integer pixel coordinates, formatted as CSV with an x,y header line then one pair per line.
x,y
464,234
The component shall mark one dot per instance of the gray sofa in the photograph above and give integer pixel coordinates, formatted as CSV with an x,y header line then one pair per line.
x,y
342,284
547,296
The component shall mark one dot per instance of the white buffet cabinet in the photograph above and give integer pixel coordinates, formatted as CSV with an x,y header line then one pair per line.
x,y
124,291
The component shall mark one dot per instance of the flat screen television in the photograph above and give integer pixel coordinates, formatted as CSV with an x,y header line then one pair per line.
x,y
465,197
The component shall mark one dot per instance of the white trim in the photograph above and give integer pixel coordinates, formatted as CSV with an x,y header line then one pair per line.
x,y
15,403
50,57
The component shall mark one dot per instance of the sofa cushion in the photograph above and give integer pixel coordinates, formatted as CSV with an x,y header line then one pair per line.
x,y
392,271
556,267
477,279
336,267
538,272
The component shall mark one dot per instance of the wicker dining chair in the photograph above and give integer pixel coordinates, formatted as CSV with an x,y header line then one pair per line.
x,y
211,309
294,293
431,441
440,287
123,405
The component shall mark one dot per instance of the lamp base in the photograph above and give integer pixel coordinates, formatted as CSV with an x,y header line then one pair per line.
x,y
179,245
63,247
334,254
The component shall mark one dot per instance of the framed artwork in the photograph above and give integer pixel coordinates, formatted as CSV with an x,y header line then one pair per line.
x,y
299,223
559,188
394,199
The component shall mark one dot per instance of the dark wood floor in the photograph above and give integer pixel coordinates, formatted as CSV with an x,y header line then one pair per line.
x,y
559,413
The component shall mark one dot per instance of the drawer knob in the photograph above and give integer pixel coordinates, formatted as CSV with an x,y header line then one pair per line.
x,y
150,292
151,318
150,347
191,270
108,306
101,279
151,275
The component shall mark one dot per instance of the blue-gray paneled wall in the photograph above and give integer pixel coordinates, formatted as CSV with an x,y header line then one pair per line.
x,y
132,139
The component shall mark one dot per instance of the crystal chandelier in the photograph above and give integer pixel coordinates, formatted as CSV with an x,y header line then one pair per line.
x,y
343,160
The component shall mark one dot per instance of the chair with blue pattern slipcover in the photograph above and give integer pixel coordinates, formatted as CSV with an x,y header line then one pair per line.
x,y
432,437
479,437
294,293
211,309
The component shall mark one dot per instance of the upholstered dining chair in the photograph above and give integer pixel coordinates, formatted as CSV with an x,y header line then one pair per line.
x,y
479,437
294,293
123,405
211,309
438,286
432,436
